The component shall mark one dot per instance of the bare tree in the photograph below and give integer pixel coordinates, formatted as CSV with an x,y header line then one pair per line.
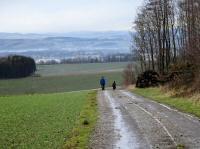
x,y
168,33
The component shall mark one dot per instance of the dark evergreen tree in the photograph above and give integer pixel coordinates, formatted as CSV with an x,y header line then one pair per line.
x,y
16,66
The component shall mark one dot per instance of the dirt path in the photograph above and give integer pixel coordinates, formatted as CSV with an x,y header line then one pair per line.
x,y
128,121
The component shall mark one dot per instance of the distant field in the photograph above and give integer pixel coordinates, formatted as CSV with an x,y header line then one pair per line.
x,y
39,121
64,78
71,69
52,84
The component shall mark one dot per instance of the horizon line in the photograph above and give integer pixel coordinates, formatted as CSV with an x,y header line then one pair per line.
x,y
83,31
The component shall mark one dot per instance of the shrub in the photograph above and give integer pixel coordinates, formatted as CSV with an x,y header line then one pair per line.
x,y
181,74
129,75
16,67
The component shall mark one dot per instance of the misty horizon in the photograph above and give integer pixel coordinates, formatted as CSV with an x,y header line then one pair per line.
x,y
59,46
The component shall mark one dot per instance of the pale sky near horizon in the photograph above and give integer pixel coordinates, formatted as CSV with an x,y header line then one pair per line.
x,y
42,16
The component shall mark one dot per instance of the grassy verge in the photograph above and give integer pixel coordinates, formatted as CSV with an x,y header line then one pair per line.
x,y
79,138
182,104
44,121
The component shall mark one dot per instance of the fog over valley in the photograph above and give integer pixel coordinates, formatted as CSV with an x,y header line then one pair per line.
x,y
65,46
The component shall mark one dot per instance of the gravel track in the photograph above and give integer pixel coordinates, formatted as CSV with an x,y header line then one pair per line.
x,y
129,121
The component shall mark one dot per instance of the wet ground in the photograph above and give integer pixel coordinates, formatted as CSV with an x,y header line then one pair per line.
x,y
128,121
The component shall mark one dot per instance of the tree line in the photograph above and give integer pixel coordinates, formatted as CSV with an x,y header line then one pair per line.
x,y
118,57
16,66
167,35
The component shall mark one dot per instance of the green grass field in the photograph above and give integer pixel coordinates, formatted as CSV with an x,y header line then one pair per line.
x,y
52,84
39,121
37,113
182,104
64,78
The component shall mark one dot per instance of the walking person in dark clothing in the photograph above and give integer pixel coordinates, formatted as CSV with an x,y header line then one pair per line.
x,y
103,83
114,85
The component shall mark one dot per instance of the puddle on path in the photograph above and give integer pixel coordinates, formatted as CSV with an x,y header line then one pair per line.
x,y
127,139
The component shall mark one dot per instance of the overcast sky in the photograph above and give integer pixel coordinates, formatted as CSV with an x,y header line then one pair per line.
x,y
40,16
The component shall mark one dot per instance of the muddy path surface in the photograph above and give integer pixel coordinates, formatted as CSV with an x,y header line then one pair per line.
x,y
129,121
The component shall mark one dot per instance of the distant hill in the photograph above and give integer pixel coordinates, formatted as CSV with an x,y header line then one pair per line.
x,y
57,46
106,34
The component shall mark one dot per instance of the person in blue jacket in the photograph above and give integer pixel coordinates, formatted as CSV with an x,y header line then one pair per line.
x,y
103,83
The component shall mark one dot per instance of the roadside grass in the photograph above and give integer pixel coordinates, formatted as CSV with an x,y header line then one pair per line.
x,y
181,103
180,146
80,135
54,84
44,121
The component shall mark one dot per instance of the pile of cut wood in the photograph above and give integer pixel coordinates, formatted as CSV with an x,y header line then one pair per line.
x,y
148,79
